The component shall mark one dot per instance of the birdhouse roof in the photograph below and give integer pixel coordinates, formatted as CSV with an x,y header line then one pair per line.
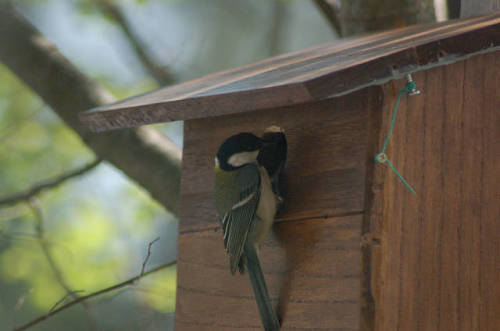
x,y
312,74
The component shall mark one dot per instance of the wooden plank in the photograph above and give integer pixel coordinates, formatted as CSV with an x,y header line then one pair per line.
x,y
309,75
485,276
324,174
311,268
435,256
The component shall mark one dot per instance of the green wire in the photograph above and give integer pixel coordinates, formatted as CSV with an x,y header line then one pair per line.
x,y
382,157
400,177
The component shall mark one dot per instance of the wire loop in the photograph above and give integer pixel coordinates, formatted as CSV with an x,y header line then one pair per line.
x,y
410,88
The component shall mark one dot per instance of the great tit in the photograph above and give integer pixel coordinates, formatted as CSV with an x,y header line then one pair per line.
x,y
272,156
246,206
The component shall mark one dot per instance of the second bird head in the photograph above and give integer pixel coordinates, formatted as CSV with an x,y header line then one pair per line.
x,y
238,150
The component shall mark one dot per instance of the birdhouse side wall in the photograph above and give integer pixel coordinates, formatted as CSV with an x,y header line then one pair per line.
x,y
431,259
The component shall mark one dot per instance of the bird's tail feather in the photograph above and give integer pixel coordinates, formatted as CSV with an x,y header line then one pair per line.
x,y
267,313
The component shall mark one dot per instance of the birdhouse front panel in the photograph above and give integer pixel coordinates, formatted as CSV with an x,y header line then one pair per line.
x,y
312,260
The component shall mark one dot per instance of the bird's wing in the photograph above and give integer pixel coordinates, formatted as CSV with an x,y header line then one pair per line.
x,y
237,221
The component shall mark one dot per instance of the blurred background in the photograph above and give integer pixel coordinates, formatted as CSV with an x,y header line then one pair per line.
x,y
93,231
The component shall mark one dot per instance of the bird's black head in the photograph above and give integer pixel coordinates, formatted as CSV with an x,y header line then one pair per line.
x,y
238,150
273,152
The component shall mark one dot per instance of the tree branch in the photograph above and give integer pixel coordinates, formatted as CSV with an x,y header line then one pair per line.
x,y
473,8
158,72
277,27
126,283
453,7
148,255
143,154
38,214
362,16
46,184
331,14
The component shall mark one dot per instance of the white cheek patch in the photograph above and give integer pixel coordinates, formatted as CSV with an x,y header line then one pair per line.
x,y
242,158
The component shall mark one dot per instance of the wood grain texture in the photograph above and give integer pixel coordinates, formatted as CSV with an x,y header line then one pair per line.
x,y
434,257
311,268
309,75
324,174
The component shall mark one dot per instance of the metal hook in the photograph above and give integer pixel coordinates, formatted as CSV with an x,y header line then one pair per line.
x,y
414,90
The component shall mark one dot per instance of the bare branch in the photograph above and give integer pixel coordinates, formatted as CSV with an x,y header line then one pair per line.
x,y
126,283
143,154
70,294
47,184
148,255
37,212
331,14
158,72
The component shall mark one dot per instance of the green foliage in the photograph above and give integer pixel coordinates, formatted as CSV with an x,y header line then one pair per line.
x,y
97,227
34,143
90,249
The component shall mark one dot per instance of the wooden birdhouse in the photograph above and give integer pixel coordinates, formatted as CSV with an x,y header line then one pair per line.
x,y
353,247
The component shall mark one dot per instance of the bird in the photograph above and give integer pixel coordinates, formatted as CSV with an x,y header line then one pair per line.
x,y
246,205
272,156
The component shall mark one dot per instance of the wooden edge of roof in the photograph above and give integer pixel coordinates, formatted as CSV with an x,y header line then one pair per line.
x,y
369,70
